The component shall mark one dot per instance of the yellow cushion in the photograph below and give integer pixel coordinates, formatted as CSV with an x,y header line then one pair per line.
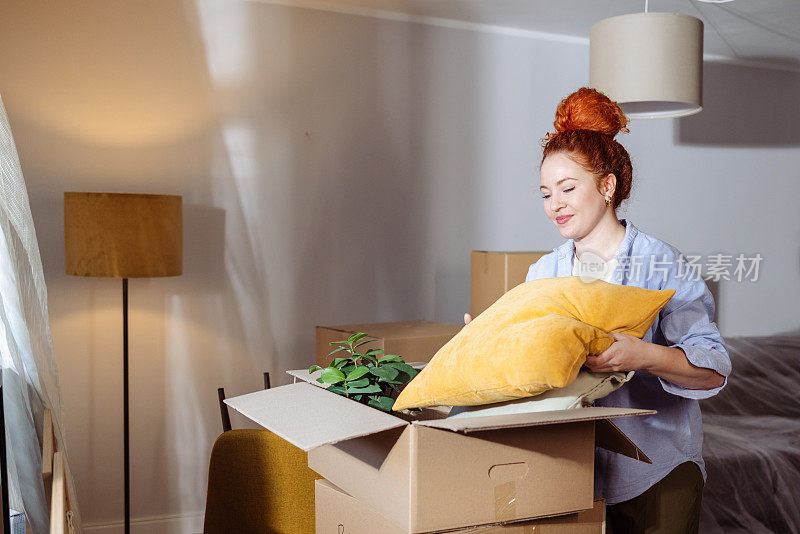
x,y
532,339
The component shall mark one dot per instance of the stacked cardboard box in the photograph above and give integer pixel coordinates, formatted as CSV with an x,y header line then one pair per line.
x,y
415,341
339,513
494,273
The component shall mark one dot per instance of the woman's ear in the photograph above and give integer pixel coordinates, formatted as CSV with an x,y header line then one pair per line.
x,y
609,185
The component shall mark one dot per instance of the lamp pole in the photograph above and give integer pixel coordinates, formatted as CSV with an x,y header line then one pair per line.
x,y
125,413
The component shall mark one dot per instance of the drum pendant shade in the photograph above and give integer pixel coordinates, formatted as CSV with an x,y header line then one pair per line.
x,y
122,235
651,64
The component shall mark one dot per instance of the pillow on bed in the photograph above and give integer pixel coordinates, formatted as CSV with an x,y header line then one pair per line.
x,y
532,339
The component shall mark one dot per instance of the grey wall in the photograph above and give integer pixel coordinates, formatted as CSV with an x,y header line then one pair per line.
x,y
334,169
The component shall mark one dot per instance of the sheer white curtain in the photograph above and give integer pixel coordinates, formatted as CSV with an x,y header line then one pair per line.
x,y
29,375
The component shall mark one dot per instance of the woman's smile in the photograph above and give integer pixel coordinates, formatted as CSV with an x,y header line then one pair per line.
x,y
563,219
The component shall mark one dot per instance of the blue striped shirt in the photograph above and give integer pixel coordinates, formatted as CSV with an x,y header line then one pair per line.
x,y
675,434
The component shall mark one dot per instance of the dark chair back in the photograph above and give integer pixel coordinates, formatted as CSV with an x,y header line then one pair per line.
x,y
223,408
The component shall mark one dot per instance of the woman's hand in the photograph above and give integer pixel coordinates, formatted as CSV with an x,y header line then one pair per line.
x,y
467,318
627,353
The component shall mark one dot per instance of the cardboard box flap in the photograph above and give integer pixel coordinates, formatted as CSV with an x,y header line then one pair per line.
x,y
305,376
496,422
611,438
308,416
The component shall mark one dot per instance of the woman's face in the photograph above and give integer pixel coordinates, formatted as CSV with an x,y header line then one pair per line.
x,y
570,196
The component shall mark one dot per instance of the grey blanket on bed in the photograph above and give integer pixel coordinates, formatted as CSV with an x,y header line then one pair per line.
x,y
751,443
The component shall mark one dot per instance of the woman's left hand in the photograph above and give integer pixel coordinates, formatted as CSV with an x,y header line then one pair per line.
x,y
627,353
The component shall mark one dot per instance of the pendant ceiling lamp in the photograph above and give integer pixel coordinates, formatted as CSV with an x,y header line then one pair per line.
x,y
651,64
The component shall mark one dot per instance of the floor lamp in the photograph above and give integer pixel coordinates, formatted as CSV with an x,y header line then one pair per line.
x,y
121,235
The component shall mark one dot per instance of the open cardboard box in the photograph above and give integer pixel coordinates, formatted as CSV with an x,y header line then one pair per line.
x,y
427,473
337,512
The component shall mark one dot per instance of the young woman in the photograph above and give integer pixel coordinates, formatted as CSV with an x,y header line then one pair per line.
x,y
585,175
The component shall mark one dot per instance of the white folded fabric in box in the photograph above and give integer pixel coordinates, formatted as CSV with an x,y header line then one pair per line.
x,y
581,392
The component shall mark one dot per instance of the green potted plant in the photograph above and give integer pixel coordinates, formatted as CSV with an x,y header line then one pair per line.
x,y
366,376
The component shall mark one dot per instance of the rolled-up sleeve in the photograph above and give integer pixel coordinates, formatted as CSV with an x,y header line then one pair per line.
x,y
686,322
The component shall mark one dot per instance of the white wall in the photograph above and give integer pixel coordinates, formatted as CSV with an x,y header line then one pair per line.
x,y
334,169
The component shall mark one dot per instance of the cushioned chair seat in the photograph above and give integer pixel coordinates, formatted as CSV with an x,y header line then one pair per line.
x,y
260,483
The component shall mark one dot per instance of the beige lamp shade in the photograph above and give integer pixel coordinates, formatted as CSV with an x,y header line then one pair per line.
x,y
651,64
121,235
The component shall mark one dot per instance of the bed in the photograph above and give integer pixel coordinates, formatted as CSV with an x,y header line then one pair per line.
x,y
752,440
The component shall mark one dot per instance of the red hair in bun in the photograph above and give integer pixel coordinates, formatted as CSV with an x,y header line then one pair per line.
x,y
586,123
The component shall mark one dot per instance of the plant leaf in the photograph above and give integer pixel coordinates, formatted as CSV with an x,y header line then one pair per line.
x,y
400,366
360,383
385,372
314,368
370,359
372,388
334,351
372,352
332,375
339,362
382,403
358,372
338,343
363,342
356,337
391,358
339,390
